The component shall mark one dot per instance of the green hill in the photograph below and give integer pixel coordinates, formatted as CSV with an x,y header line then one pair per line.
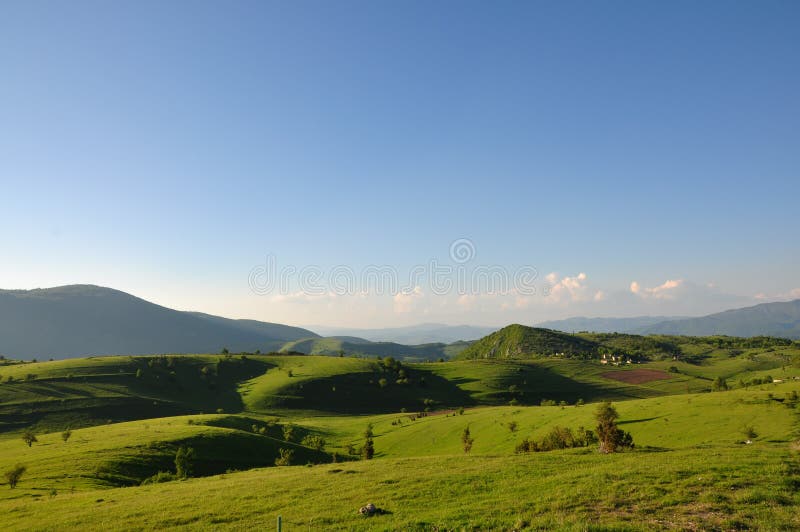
x,y
519,341
337,345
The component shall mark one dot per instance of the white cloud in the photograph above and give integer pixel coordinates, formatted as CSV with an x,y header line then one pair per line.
x,y
794,293
570,289
667,290
405,302
302,297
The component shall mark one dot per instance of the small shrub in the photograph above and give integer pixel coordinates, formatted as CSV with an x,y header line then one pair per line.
x,y
512,426
288,432
285,457
29,438
314,441
749,432
66,435
467,440
184,462
14,475
158,478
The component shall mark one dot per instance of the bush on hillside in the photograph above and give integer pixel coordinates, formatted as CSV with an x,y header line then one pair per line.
x,y
558,438
285,457
14,475
612,438
158,478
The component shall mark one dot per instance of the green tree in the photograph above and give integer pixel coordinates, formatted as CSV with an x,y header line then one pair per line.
x,y
467,440
285,458
720,384
612,438
314,441
66,435
288,432
184,462
29,437
14,474
368,450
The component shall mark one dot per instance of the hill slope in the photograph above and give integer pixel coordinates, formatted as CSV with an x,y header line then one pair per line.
x,y
768,319
81,320
335,345
519,341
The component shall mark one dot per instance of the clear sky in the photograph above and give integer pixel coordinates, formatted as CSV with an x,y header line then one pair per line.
x,y
643,157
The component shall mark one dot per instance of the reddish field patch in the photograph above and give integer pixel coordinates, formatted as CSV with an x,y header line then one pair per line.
x,y
637,376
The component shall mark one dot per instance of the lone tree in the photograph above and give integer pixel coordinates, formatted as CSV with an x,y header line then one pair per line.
x,y
285,458
368,451
29,437
467,440
612,438
288,432
184,462
66,435
14,474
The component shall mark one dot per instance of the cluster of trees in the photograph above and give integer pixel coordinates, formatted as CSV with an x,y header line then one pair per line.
x,y
609,436
558,438
398,373
367,450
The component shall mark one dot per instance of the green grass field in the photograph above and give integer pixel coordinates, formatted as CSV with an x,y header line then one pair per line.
x,y
689,470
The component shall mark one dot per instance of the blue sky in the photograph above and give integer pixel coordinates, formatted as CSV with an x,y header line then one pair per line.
x,y
165,148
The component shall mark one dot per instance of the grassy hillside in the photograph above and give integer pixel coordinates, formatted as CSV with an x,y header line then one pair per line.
x,y
519,341
334,346
92,391
689,471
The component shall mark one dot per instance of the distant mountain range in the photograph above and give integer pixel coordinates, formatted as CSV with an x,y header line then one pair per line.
x,y
84,320
781,319
767,319
622,325
426,333
81,320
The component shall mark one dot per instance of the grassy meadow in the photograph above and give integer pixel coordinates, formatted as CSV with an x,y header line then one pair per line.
x,y
128,416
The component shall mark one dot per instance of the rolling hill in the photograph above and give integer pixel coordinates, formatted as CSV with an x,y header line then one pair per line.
x,y
79,320
519,341
336,345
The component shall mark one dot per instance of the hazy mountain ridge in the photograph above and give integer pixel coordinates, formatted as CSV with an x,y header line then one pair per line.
x,y
81,320
622,325
424,333
781,319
